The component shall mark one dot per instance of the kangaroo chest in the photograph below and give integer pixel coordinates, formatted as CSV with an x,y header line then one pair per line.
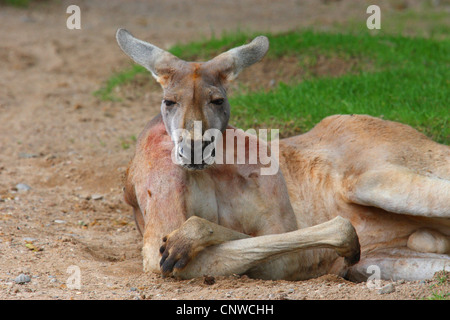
x,y
222,201
241,201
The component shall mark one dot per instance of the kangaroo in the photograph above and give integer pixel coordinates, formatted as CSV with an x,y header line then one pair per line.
x,y
353,192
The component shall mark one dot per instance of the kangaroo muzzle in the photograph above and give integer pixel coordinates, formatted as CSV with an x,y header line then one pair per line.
x,y
195,154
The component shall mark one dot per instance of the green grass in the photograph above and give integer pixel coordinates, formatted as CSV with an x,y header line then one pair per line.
x,y
126,143
432,23
120,78
428,21
439,296
399,78
408,82
16,3
442,279
439,287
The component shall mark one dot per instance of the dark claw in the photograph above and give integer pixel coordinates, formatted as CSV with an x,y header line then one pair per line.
x,y
167,266
163,258
181,263
175,254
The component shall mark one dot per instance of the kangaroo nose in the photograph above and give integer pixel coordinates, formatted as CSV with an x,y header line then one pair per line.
x,y
195,151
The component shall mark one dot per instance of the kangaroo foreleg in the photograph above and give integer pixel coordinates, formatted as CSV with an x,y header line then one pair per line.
x,y
183,244
240,256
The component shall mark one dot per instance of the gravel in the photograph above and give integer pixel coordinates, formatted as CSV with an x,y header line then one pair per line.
x,y
22,279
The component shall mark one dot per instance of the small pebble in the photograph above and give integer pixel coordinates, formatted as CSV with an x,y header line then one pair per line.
x,y
28,19
59,221
97,197
22,278
389,288
208,280
22,187
25,155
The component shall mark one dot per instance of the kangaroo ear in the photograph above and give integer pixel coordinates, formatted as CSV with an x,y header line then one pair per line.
x,y
154,59
232,62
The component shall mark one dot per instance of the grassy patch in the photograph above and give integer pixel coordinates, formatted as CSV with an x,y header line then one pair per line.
x,y
126,143
106,92
439,287
429,22
438,296
16,3
409,84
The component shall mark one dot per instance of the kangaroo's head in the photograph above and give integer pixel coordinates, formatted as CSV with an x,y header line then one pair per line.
x,y
195,99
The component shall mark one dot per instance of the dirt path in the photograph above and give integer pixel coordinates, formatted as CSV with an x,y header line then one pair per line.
x,y
71,149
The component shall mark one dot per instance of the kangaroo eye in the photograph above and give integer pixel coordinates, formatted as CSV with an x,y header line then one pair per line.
x,y
169,103
217,102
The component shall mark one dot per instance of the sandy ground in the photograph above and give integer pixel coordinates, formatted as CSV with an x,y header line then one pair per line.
x,y
70,148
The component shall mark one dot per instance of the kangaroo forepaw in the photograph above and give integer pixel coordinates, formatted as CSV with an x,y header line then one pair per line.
x,y
175,254
183,244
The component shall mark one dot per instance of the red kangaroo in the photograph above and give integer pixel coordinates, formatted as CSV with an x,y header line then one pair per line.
x,y
354,191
